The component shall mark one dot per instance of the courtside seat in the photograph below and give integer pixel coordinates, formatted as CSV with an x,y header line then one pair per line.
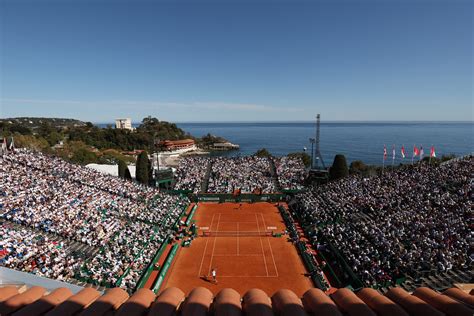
x,y
227,303
110,301
45,303
198,302
350,304
287,303
21,300
443,303
379,303
167,302
257,303
316,302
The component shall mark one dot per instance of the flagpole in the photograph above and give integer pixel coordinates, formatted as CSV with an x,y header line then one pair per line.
x,y
393,155
430,155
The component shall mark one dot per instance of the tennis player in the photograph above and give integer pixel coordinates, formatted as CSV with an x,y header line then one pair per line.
x,y
214,275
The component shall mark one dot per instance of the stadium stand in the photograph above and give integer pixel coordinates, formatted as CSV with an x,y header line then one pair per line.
x,y
225,175
75,224
408,226
191,174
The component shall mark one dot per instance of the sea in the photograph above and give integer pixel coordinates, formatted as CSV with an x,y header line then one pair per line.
x,y
356,140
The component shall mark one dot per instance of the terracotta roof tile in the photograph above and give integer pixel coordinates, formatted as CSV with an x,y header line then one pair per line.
x,y
7,292
412,304
110,301
460,296
21,300
350,304
442,302
228,302
76,303
256,302
286,303
137,304
198,302
167,302
45,303
379,303
317,302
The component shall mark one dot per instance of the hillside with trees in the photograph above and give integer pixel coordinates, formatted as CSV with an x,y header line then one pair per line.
x,y
84,142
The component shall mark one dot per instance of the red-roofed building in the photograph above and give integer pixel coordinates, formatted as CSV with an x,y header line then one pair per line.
x,y
182,145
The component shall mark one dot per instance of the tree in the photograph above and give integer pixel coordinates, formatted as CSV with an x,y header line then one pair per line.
x,y
127,175
263,153
339,168
122,166
358,167
142,170
84,156
303,156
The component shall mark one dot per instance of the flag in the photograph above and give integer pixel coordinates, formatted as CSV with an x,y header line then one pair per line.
x,y
416,151
432,152
393,152
421,152
403,152
384,152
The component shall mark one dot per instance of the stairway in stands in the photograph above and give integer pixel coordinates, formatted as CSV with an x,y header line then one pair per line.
x,y
75,247
274,175
205,182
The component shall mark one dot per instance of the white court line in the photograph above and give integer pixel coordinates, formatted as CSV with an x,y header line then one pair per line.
x,y
271,250
205,248
237,238
214,246
261,244
238,255
239,222
247,276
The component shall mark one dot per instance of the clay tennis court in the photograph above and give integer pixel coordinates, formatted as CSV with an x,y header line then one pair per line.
x,y
238,242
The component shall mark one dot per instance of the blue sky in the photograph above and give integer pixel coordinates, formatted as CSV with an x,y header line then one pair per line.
x,y
237,60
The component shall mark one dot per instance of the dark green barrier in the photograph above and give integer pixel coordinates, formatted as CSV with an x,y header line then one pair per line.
x,y
191,214
251,198
164,269
295,191
149,270
185,192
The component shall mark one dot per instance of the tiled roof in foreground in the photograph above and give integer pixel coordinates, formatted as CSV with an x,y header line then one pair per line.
x,y
200,301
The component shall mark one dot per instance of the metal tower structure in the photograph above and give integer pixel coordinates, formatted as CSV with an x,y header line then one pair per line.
x,y
318,155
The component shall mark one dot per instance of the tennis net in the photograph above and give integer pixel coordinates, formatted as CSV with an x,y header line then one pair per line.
x,y
236,233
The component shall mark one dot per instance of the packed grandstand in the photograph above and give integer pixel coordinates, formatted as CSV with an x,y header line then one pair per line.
x,y
47,210
247,174
71,223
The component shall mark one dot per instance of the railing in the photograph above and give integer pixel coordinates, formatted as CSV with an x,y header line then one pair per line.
x,y
164,269
144,278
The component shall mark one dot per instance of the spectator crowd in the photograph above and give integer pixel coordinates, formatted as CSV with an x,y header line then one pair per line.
x,y
125,221
248,174
191,173
413,219
291,172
